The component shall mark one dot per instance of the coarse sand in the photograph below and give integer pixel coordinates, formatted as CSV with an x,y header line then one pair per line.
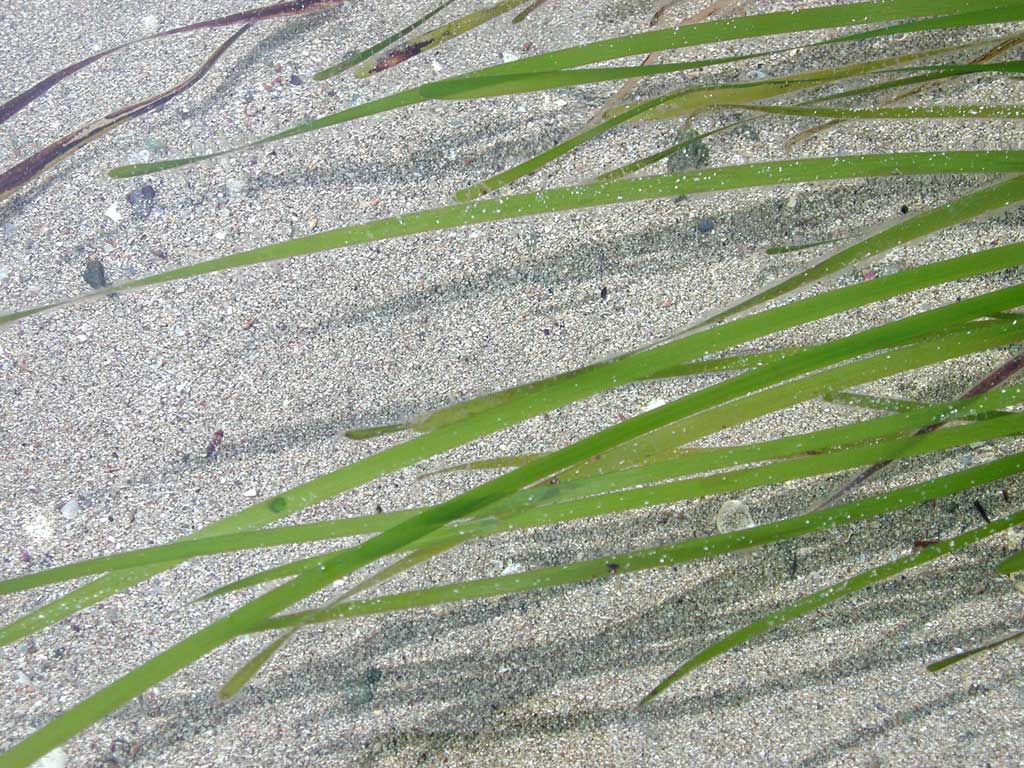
x,y
108,410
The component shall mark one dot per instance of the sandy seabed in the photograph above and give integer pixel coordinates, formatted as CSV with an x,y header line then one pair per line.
x,y
108,410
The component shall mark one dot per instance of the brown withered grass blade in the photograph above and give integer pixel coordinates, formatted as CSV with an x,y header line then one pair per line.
x,y
251,16
28,169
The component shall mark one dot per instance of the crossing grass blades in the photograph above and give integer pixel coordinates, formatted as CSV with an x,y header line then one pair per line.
x,y
650,459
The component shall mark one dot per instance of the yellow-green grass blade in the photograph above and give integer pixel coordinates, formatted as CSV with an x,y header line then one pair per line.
x,y
646,42
530,400
959,111
666,493
562,501
363,55
895,405
833,461
345,562
647,188
668,555
835,592
936,666
686,102
693,106
965,208
435,37
1012,564
831,440
666,441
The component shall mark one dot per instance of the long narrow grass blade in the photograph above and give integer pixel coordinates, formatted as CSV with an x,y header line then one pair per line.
x,y
660,18
30,168
835,592
936,666
623,563
529,400
738,411
1012,564
997,50
656,40
686,102
647,188
361,56
1004,372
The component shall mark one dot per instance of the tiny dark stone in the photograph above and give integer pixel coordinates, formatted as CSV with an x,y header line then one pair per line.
x,y
25,556
547,331
373,676
141,200
295,80
604,292
94,273
904,208
705,225
694,153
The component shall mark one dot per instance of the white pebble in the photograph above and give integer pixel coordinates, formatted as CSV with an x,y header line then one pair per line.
x,y
39,528
655,403
56,759
733,516
150,23
511,568
71,510
112,213
436,65
508,57
251,493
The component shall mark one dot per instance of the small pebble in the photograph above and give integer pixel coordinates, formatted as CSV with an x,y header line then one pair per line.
x,y
141,200
508,57
295,80
250,493
705,225
94,273
71,510
112,213
512,568
733,516
150,23
655,403
695,154
58,758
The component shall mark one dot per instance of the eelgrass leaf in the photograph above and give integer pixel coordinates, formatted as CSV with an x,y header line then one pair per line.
x,y
1012,564
360,56
646,42
667,555
936,666
345,562
835,592
525,401
1007,370
647,188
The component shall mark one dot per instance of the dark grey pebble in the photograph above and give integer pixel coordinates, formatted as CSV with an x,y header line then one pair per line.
x,y
94,273
141,200
295,80
705,225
